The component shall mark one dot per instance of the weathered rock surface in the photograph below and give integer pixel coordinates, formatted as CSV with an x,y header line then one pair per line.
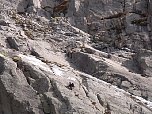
x,y
118,23
16,95
48,66
144,58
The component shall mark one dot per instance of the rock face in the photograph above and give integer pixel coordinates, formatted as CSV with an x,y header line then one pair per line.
x,y
96,58
144,58
118,23
15,93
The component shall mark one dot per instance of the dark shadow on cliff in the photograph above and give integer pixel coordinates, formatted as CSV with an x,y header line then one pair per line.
x,y
85,63
132,66
2,68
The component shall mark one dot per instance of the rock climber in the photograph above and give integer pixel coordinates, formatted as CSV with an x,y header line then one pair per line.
x,y
70,86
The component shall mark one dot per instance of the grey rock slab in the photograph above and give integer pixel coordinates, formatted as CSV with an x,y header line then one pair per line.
x,y
43,49
16,95
112,72
84,94
49,84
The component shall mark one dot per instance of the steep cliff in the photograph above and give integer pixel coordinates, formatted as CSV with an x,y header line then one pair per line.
x,y
119,23
75,57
